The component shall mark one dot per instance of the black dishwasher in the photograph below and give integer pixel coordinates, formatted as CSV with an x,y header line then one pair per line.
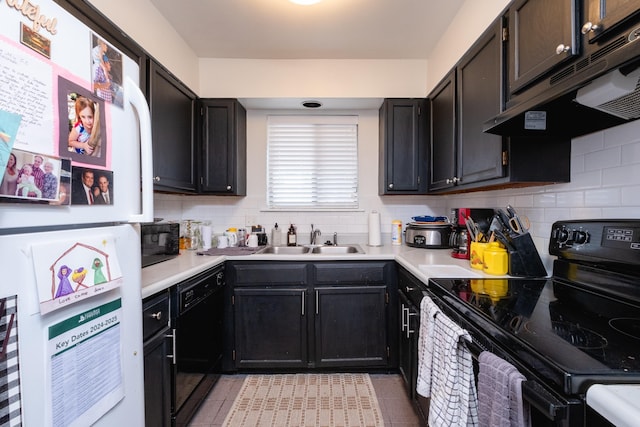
x,y
198,329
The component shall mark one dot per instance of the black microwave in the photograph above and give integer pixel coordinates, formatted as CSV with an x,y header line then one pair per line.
x,y
159,242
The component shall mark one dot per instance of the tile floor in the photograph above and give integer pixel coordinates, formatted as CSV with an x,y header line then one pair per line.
x,y
392,397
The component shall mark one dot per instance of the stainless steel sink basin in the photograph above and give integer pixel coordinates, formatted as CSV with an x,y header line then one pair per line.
x,y
334,250
285,250
303,250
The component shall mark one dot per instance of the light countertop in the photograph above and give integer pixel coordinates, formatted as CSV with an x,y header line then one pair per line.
x,y
618,403
158,277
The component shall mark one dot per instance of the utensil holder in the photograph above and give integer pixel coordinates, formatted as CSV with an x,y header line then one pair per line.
x,y
524,260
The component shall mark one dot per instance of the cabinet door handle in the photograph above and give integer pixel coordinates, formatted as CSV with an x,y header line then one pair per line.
x,y
229,187
173,356
317,304
402,322
156,178
157,316
409,330
303,303
589,27
561,48
391,185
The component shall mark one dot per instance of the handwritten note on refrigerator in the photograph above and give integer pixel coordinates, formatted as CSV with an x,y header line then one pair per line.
x,y
26,88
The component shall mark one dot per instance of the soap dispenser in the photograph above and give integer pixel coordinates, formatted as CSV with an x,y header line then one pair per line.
x,y
292,237
276,236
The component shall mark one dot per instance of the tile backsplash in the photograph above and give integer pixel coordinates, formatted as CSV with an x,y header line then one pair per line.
x,y
605,183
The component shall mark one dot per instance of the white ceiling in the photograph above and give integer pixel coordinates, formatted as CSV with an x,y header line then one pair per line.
x,y
331,29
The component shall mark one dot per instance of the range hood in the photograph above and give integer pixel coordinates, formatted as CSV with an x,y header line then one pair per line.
x,y
598,90
614,93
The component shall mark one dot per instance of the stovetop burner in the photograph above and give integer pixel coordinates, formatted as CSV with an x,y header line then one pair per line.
x,y
577,336
629,326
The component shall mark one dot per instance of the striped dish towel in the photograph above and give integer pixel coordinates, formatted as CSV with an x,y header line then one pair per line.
x,y
428,311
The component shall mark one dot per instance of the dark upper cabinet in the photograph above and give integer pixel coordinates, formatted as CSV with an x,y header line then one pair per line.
x,y
603,16
463,157
224,147
173,131
461,154
442,168
403,152
542,35
480,96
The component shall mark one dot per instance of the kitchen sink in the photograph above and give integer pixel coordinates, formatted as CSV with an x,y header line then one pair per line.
x,y
333,250
285,250
304,250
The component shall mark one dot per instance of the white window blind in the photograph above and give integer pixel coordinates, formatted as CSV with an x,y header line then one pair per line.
x,y
312,162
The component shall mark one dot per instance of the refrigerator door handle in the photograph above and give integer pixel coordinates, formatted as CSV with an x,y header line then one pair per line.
x,y
139,103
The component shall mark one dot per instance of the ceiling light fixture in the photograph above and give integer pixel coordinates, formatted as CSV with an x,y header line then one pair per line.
x,y
312,104
305,2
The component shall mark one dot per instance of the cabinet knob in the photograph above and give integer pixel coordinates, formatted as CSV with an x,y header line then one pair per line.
x,y
589,27
229,188
456,180
391,185
562,49
156,178
157,316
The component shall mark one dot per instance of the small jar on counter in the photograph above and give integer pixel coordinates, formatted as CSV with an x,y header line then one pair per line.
x,y
495,259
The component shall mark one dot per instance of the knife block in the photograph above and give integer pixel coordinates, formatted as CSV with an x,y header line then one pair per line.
x,y
524,260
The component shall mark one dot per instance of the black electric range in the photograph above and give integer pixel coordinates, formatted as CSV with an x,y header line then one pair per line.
x,y
579,327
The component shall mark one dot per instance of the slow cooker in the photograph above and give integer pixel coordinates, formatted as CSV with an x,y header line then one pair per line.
x,y
428,235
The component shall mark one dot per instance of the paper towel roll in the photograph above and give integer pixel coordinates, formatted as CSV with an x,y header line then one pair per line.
x,y
206,237
374,229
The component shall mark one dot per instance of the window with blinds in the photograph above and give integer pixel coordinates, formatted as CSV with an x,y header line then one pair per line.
x,y
312,162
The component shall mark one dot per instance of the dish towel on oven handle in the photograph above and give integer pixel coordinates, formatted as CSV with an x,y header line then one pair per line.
x,y
500,402
445,370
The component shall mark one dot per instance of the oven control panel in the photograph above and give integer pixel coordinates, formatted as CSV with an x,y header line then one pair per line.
x,y
608,240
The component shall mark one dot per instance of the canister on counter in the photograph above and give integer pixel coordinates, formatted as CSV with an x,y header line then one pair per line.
x,y
396,232
495,259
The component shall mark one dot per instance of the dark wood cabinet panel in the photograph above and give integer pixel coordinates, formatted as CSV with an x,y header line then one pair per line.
x,y
542,35
442,168
270,328
157,360
403,153
280,323
224,147
350,326
480,97
173,131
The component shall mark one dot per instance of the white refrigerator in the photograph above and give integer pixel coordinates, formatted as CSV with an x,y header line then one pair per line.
x,y
71,350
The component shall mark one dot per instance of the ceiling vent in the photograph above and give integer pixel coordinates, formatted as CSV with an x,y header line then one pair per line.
x,y
613,93
312,104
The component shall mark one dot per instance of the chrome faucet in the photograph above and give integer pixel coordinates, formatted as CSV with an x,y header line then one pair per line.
x,y
315,233
335,239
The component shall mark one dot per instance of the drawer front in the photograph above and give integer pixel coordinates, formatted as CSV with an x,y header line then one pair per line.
x,y
155,315
349,273
268,273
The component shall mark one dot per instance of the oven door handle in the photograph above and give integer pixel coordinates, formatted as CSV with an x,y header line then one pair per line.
x,y
543,400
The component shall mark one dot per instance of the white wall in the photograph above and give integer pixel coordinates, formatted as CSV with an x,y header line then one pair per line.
x,y
142,22
255,78
470,22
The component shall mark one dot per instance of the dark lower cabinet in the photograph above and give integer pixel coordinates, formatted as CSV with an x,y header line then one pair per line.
x,y
306,315
270,328
157,361
350,326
